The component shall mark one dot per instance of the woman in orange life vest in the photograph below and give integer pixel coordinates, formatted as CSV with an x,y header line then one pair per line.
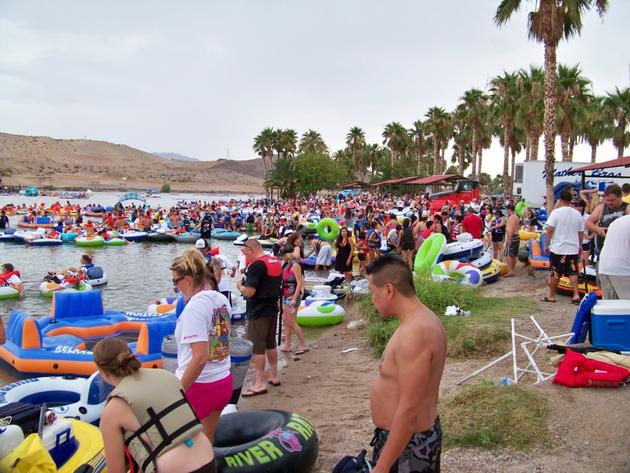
x,y
9,276
292,294
128,421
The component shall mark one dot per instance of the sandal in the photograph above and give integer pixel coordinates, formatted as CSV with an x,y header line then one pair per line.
x,y
546,299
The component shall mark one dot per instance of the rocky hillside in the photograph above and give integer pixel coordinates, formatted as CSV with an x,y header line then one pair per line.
x,y
43,161
175,157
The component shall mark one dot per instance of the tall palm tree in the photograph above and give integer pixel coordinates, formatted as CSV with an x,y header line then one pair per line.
x,y
476,102
530,107
595,128
283,177
395,138
312,141
461,134
418,135
504,97
617,107
549,22
438,124
286,142
264,146
573,95
374,154
355,139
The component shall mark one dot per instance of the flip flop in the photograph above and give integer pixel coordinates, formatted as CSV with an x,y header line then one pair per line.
x,y
546,299
301,352
277,383
252,393
284,351
575,301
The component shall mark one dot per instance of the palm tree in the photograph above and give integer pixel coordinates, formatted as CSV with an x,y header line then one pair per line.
x,y
374,154
530,107
461,134
283,177
438,124
549,22
617,107
355,139
573,95
312,141
395,138
476,102
264,146
286,142
504,98
418,135
594,129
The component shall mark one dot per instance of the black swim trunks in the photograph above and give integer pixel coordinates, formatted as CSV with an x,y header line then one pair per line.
x,y
511,248
422,454
563,265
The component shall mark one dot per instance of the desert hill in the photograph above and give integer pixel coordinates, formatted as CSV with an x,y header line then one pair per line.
x,y
44,161
176,157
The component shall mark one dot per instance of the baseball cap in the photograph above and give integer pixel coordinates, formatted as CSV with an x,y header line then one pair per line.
x,y
201,243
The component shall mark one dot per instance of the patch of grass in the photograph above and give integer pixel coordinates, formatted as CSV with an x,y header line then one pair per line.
x,y
485,333
489,416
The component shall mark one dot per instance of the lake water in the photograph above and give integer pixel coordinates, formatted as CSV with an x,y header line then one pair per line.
x,y
138,273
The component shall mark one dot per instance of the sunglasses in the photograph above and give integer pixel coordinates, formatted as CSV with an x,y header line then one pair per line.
x,y
177,280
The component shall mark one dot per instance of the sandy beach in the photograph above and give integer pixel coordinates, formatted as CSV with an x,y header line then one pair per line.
x,y
331,389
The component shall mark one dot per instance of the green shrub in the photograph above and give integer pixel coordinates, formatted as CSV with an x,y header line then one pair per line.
x,y
166,188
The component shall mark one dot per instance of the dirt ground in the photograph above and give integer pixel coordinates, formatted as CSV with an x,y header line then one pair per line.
x,y
591,426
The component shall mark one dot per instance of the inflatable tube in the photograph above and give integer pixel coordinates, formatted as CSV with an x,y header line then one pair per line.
x,y
44,242
69,237
462,273
78,398
491,273
225,235
96,276
319,313
115,242
536,258
240,241
48,288
520,208
270,441
187,237
429,254
321,292
160,236
8,292
462,249
484,260
65,446
89,241
6,237
525,235
327,229
523,255
134,235
565,287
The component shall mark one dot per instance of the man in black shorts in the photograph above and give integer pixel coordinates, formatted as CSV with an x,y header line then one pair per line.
x,y
512,239
261,288
565,232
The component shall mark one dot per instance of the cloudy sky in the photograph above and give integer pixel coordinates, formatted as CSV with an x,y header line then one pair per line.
x,y
203,77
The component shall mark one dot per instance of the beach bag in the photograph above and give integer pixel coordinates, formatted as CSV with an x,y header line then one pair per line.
x,y
350,464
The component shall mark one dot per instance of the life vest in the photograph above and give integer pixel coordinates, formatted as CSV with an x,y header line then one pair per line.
x,y
5,277
166,418
576,371
289,283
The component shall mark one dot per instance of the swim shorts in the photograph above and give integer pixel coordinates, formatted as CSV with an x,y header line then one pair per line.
x,y
421,455
511,249
288,300
563,265
208,397
261,331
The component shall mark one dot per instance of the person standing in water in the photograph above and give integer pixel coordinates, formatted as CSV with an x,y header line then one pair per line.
x,y
404,396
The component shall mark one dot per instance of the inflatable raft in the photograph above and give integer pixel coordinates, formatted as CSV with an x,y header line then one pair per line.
x,y
537,259
48,288
319,313
462,273
89,241
223,234
65,445
8,292
465,247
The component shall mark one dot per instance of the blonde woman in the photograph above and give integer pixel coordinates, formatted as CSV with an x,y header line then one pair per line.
x,y
179,446
202,335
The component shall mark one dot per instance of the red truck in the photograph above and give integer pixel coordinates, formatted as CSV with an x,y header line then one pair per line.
x,y
463,190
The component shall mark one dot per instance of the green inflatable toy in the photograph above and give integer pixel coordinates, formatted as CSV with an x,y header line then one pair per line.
x,y
327,229
429,254
520,208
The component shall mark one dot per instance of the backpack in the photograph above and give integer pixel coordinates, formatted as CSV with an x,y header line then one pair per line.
x,y
350,464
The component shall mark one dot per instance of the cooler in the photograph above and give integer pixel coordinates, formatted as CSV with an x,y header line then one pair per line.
x,y
241,355
610,324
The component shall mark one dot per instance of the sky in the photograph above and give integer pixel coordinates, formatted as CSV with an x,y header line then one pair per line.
x,y
203,78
